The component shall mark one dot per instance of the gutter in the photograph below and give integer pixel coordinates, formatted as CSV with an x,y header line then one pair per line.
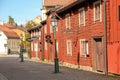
x,y
105,39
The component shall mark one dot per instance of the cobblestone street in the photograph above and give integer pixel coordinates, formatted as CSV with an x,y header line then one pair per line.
x,y
12,69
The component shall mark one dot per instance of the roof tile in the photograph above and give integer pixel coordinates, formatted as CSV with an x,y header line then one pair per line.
x,y
9,33
55,2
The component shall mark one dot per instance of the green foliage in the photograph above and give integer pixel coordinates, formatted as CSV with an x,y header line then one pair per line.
x,y
28,52
11,20
27,35
30,24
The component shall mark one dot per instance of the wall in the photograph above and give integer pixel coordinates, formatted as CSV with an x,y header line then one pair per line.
x,y
13,45
113,29
89,31
3,41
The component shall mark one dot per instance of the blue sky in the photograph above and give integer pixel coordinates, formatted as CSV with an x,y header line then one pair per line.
x,y
21,10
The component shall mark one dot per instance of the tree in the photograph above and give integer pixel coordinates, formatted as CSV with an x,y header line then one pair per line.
x,y
11,20
30,24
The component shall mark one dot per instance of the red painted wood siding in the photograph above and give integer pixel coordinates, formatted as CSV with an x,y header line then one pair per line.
x,y
113,29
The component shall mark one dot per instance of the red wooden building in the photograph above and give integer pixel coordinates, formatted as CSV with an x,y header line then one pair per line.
x,y
81,35
36,42
113,35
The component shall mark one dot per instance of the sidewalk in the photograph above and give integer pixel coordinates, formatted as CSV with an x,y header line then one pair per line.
x,y
98,74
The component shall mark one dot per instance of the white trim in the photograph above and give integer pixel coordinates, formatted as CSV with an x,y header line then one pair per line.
x,y
82,24
69,47
67,16
97,20
83,53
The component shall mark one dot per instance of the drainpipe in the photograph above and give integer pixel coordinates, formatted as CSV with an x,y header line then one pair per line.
x,y
105,39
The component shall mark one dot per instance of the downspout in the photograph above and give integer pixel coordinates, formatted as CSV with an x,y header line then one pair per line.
x,y
42,42
105,39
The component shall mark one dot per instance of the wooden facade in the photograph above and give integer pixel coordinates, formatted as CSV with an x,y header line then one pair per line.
x,y
80,44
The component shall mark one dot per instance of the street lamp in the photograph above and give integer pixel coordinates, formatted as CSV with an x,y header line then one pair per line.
x,y
54,23
21,48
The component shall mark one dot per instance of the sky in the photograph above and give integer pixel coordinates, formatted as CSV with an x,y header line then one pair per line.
x,y
21,10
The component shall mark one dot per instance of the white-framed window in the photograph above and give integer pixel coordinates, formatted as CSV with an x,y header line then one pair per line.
x,y
82,16
46,46
36,47
39,35
31,34
31,46
83,47
67,21
69,47
45,29
97,11
51,29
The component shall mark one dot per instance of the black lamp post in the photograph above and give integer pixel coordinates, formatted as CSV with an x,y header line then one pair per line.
x,y
21,48
54,23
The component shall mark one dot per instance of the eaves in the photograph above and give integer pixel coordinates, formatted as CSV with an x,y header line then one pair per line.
x,y
35,27
64,8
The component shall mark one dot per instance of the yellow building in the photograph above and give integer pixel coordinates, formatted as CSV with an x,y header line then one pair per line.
x,y
37,20
20,31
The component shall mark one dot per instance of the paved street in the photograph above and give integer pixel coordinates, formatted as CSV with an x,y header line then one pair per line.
x,y
12,69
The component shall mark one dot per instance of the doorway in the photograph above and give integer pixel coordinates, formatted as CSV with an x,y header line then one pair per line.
x,y
98,54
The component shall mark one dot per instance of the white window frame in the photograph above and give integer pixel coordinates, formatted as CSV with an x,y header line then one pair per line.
x,y
82,23
51,29
67,21
100,16
84,50
69,47
46,48
32,47
39,35
36,47
45,29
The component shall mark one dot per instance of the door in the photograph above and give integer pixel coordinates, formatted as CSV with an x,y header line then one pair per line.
x,y
36,49
98,54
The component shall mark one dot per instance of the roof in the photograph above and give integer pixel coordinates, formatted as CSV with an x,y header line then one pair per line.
x,y
54,2
9,33
35,27
66,6
20,28
69,5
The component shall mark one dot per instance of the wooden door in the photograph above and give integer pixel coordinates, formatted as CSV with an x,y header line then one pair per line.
x,y
98,54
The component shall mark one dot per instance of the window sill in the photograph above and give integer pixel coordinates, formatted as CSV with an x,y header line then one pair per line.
x,y
87,55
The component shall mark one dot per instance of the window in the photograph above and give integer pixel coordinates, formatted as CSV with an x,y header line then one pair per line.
x,y
97,11
36,47
82,17
67,21
45,45
51,29
40,35
69,47
31,46
119,12
45,29
83,47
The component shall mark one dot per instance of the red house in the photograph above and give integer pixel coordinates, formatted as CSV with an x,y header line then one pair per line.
x,y
36,42
80,34
113,35
87,35
82,30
